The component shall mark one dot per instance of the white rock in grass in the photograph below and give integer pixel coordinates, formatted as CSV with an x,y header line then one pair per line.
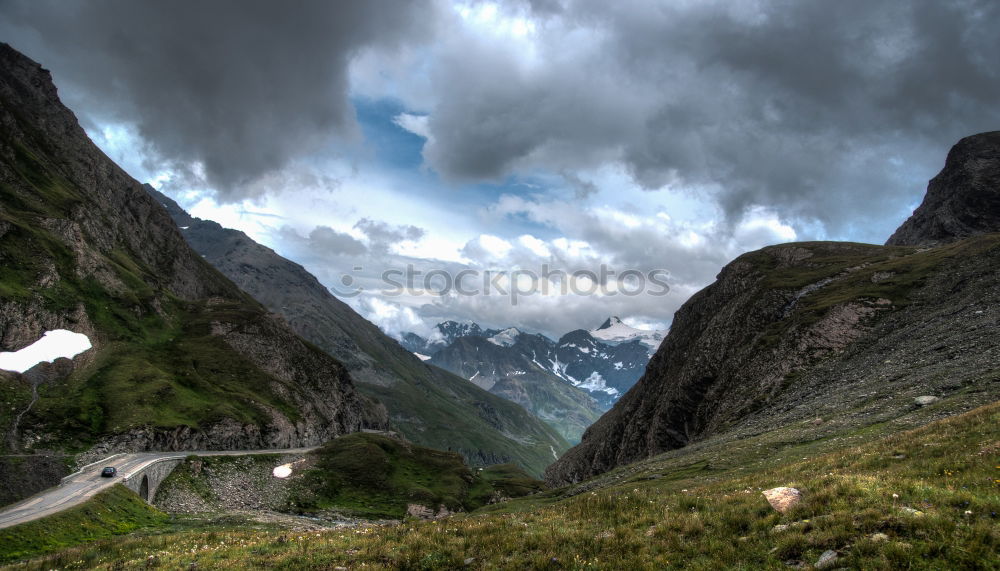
x,y
827,559
783,499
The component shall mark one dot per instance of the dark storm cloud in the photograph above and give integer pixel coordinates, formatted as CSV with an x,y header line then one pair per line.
x,y
327,240
581,187
382,236
241,86
819,109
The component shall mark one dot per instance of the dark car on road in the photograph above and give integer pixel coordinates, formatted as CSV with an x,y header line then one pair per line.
x,y
109,472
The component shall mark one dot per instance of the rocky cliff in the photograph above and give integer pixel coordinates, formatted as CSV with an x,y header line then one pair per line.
x,y
181,357
427,405
962,200
839,334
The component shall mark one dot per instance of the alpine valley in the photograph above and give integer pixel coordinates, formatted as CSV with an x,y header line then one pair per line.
x,y
820,405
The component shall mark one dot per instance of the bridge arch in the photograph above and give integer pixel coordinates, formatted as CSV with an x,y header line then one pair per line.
x,y
147,479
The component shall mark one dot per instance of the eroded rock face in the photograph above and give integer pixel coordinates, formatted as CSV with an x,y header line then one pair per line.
x,y
962,200
423,512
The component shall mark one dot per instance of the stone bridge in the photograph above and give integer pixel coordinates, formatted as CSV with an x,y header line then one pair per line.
x,y
146,480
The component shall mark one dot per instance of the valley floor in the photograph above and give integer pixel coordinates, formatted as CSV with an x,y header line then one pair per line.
x,y
927,498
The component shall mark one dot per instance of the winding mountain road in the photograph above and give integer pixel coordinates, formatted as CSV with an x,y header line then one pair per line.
x,y
81,486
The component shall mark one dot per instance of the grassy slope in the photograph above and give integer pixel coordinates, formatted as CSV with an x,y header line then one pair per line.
x,y
376,476
690,516
564,407
906,268
431,392
114,512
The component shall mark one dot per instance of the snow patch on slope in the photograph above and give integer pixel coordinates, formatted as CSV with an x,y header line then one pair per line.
x,y
505,338
596,383
614,331
52,345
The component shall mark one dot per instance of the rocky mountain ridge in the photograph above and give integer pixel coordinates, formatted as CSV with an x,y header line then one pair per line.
x,y
823,336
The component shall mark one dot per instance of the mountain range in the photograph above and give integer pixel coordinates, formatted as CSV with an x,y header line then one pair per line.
x,y
568,383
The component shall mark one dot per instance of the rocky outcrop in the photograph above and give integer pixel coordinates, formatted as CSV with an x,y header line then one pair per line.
x,y
181,357
962,200
429,406
799,331
236,483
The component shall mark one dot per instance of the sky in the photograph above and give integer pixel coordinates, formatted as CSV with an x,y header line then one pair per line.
x,y
497,141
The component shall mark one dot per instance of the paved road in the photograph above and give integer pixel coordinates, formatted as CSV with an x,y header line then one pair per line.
x,y
80,487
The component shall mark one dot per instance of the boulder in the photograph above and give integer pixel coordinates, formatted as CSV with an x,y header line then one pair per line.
x,y
783,499
827,560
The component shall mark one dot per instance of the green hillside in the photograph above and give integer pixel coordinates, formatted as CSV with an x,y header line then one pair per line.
x,y
181,357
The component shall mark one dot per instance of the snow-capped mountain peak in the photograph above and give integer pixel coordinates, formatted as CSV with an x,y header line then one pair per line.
x,y
505,338
603,364
615,331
